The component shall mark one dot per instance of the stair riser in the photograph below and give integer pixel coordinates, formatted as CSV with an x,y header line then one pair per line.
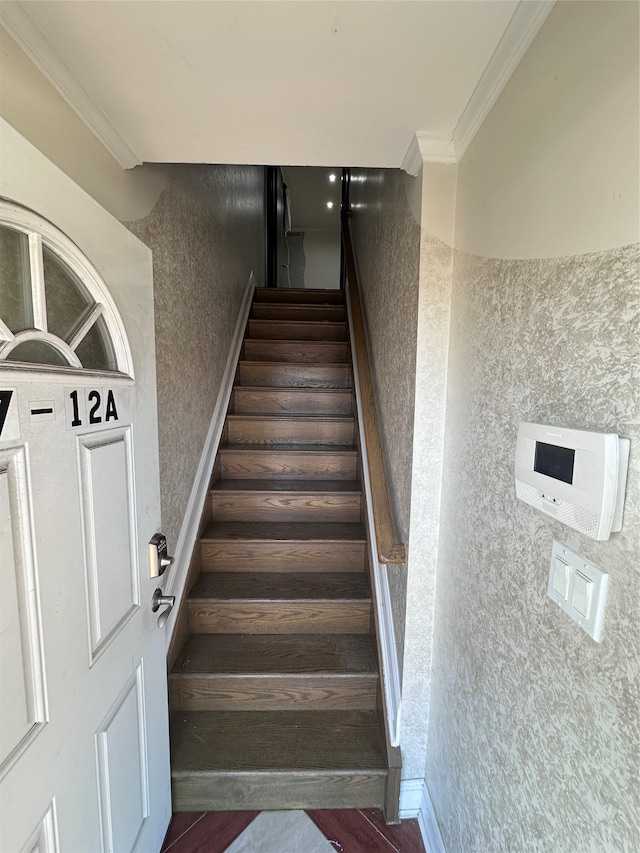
x,y
272,693
292,331
274,431
275,617
234,556
277,791
290,466
314,352
266,311
292,402
299,296
283,375
285,506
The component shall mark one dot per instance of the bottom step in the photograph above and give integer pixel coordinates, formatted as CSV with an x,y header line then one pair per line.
x,y
276,760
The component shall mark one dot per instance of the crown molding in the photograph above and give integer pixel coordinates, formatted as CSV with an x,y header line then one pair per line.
x,y
521,30
16,20
427,148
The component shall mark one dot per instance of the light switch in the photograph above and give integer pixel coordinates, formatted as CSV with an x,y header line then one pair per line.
x,y
561,577
581,598
578,587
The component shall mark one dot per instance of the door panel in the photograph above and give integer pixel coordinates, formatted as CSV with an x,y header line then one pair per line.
x,y
22,688
110,536
122,768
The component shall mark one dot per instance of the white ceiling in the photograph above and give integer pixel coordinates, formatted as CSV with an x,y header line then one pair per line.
x,y
309,191
265,81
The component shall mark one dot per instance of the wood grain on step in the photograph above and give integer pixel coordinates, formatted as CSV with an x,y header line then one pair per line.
x,y
266,504
214,692
236,555
274,791
205,741
292,330
283,374
333,352
290,429
324,462
271,672
263,654
226,603
308,296
289,311
299,532
280,586
281,617
278,485
301,401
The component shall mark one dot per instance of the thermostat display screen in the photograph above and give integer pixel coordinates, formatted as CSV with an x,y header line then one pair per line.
x,y
554,461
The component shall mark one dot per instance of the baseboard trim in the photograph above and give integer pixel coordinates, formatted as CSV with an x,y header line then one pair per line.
x,y
191,521
416,802
410,797
389,664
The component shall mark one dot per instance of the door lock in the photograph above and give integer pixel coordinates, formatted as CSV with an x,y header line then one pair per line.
x,y
158,557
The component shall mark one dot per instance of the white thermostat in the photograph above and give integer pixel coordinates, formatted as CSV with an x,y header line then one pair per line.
x,y
575,476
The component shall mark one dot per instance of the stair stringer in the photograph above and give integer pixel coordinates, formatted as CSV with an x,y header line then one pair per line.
x,y
389,664
192,522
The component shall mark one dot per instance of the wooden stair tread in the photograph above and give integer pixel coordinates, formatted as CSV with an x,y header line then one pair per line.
x,y
296,324
302,531
277,485
291,310
277,654
275,741
257,349
292,416
276,587
307,449
261,389
330,330
290,365
289,374
299,295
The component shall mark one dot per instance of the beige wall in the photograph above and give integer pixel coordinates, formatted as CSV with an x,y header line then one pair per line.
x,y
322,259
533,738
35,109
206,233
568,116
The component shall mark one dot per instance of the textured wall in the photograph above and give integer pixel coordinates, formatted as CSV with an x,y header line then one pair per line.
x,y
387,248
436,262
533,737
533,733
206,233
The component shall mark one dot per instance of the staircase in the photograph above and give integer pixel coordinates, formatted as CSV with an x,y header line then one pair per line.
x,y
275,694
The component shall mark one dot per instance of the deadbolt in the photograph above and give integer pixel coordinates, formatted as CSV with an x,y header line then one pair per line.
x,y
158,557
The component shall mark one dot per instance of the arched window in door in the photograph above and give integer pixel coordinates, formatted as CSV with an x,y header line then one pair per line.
x,y
54,308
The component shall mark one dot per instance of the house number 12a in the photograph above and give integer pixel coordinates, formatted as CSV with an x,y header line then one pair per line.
x,y
101,407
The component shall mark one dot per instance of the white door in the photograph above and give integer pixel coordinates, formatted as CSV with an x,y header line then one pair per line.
x,y
84,757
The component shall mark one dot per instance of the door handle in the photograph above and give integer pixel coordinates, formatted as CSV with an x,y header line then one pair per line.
x,y
159,600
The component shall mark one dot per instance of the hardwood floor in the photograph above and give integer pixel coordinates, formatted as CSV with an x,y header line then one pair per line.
x,y
347,831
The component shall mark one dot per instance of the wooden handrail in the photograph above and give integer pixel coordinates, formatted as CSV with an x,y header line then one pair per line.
x,y
388,548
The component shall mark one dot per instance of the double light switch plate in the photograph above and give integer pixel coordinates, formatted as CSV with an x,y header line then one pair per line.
x,y
579,587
